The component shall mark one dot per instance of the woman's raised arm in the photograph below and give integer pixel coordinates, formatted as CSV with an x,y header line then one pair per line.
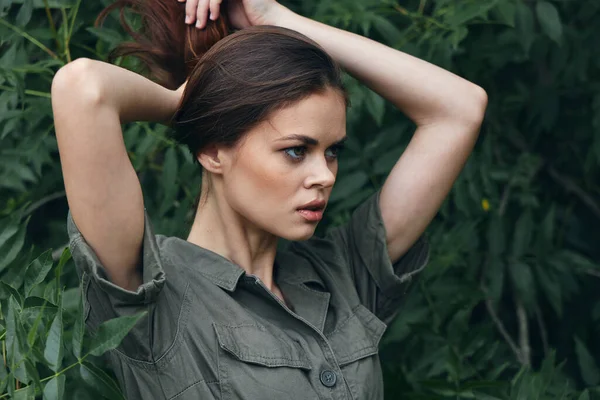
x,y
90,101
447,109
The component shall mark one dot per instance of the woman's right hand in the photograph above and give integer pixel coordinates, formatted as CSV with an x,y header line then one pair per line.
x,y
241,13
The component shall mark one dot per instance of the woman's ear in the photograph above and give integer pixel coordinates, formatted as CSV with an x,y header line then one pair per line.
x,y
210,160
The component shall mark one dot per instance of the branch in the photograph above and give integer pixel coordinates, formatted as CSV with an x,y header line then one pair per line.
x,y
542,326
500,325
570,186
523,333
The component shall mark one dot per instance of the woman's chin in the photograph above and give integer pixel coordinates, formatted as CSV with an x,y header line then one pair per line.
x,y
299,235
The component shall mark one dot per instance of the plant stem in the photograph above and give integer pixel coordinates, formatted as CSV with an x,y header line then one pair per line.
x,y
65,23
27,91
52,25
75,11
63,370
29,37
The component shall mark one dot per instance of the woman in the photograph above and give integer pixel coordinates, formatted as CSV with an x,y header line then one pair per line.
x,y
229,316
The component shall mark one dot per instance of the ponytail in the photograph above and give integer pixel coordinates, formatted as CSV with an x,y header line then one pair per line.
x,y
168,47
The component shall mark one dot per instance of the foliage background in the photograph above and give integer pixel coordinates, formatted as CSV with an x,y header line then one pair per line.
x,y
508,307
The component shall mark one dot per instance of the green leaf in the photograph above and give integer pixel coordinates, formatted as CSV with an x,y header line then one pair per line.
x,y
78,329
523,282
348,184
100,381
24,15
53,353
26,393
13,246
169,180
110,333
524,24
11,227
32,335
549,19
522,235
375,106
587,364
64,257
386,29
496,236
55,388
585,395
508,12
495,274
4,377
36,271
14,342
6,290
110,36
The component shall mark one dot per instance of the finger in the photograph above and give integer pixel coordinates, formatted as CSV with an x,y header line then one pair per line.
x,y
202,13
215,8
190,11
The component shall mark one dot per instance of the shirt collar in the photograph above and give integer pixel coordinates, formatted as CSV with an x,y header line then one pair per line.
x,y
289,267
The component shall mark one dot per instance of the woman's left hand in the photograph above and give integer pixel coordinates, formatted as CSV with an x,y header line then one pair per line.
x,y
242,13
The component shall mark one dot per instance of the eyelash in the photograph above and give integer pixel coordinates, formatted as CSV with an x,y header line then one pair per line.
x,y
337,148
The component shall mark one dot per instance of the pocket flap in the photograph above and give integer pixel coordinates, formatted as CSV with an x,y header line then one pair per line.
x,y
255,344
357,337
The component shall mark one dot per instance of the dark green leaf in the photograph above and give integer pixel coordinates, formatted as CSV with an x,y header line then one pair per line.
x,y
78,329
587,365
523,282
54,343
522,235
100,381
110,36
169,180
25,12
15,336
55,388
37,271
26,393
348,184
525,26
110,333
507,11
375,106
585,395
12,247
549,20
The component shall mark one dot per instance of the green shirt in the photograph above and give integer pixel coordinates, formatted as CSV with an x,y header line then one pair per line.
x,y
215,332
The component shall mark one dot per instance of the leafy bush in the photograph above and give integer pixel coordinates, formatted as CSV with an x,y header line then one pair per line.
x,y
508,307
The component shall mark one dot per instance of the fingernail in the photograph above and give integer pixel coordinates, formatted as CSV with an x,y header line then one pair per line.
x,y
187,19
211,17
198,24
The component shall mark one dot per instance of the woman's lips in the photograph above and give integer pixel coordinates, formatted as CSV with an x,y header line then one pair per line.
x,y
311,215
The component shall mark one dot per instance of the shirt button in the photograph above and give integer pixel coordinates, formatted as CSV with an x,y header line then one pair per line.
x,y
328,378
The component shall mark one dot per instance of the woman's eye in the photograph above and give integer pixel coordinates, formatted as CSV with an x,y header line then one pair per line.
x,y
295,153
335,150
299,152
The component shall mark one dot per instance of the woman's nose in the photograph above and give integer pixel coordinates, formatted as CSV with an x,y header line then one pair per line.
x,y
322,174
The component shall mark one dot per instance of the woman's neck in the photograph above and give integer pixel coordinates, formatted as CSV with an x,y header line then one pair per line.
x,y
220,229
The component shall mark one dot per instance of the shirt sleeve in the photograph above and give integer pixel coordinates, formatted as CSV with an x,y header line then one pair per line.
x,y
104,300
380,284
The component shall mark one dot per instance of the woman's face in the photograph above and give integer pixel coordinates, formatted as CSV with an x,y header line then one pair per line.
x,y
286,162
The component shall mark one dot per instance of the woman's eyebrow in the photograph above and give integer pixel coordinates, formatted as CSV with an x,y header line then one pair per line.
x,y
308,140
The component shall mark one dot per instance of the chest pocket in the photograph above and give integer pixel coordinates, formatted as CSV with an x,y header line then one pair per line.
x,y
255,363
355,343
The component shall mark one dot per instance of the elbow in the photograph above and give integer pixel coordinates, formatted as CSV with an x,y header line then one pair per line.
x,y
474,113
75,82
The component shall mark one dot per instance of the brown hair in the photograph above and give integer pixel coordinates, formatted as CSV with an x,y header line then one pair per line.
x,y
235,81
